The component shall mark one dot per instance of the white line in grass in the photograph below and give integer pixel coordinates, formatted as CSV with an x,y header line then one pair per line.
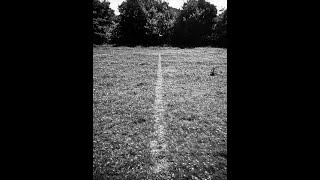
x,y
159,145
103,55
111,54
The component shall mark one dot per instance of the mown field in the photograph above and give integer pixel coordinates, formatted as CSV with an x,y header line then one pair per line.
x,y
195,105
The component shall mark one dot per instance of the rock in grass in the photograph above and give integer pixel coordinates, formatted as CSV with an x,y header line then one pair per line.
x,y
189,118
141,84
143,64
139,120
212,72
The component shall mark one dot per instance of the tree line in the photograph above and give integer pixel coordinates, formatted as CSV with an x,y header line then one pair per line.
x,y
154,22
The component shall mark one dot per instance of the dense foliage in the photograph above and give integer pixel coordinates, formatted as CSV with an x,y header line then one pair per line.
x,y
148,22
102,21
194,25
219,36
154,22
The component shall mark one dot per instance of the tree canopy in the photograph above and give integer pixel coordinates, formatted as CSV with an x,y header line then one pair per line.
x,y
194,25
154,22
102,20
219,35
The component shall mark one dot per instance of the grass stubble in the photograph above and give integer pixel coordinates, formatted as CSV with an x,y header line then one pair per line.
x,y
193,115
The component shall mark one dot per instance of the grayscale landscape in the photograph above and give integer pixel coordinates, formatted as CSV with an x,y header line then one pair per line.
x,y
159,113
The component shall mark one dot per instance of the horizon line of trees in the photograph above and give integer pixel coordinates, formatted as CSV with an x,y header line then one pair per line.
x,y
154,22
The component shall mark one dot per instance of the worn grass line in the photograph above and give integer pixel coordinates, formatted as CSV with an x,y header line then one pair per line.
x,y
159,145
111,54
103,55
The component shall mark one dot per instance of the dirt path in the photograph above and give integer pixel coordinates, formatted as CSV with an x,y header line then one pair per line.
x,y
159,145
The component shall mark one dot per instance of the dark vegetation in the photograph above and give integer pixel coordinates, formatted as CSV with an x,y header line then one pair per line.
x,y
103,18
154,22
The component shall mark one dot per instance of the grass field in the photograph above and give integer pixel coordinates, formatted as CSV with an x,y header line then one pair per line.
x,y
194,116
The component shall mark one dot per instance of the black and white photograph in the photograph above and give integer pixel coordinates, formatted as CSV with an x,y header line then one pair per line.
x,y
159,89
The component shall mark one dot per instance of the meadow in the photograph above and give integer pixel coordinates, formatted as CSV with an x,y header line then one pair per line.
x,y
195,112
